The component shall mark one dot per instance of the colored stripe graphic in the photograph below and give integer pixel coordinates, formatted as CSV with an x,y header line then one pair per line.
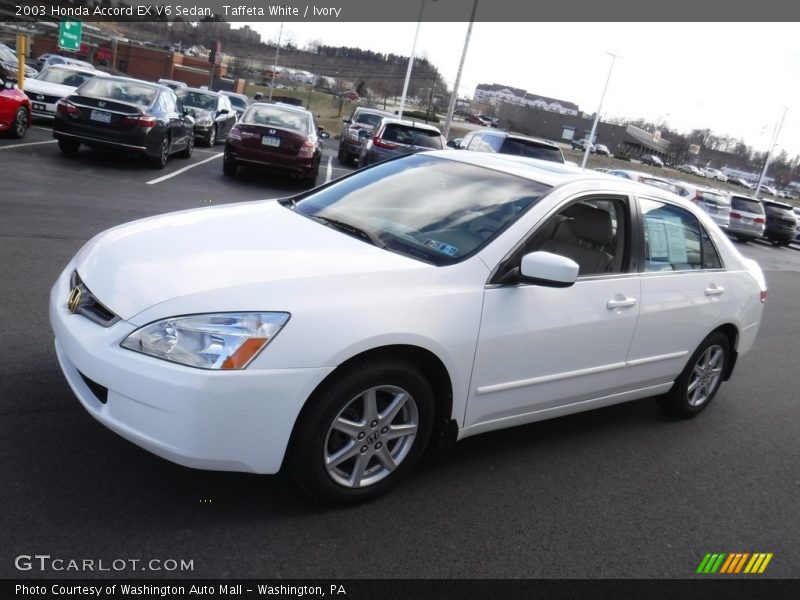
x,y
734,563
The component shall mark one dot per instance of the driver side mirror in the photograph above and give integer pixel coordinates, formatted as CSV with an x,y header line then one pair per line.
x,y
223,111
453,144
547,269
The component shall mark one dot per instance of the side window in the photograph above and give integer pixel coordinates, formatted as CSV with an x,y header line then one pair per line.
x,y
492,143
593,231
169,102
675,240
472,141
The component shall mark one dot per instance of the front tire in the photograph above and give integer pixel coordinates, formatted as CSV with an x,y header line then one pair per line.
x,y
68,146
697,385
20,124
363,432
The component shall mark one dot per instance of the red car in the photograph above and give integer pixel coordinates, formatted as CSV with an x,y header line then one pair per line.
x,y
476,120
15,108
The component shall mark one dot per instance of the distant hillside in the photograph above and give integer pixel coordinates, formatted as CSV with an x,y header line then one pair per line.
x,y
383,73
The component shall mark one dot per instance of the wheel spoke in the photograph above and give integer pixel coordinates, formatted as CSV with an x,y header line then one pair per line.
x,y
693,386
370,405
347,427
358,470
400,431
398,402
698,370
385,458
346,453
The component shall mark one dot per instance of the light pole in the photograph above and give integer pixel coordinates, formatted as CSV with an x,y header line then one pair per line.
x,y
454,98
772,143
599,108
410,61
275,66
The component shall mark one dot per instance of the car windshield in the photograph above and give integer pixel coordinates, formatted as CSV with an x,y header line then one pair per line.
x,y
266,114
238,102
368,119
747,205
777,208
199,100
64,76
531,149
115,89
425,207
411,136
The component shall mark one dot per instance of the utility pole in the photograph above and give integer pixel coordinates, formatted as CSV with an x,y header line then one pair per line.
x,y
772,143
599,108
275,66
454,98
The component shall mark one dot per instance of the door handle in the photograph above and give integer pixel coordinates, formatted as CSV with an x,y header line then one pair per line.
x,y
714,290
620,303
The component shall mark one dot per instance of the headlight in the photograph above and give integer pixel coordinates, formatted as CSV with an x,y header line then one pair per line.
x,y
214,341
204,121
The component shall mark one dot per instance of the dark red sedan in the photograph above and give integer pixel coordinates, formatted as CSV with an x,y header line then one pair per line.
x,y
278,137
15,108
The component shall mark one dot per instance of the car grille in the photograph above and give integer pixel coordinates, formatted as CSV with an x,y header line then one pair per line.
x,y
43,98
89,306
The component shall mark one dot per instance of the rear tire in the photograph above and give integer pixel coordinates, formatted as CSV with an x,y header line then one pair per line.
x,y
696,386
212,137
229,167
187,152
376,418
20,124
160,161
69,146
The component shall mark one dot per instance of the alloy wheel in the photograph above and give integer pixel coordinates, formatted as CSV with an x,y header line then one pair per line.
x,y
705,376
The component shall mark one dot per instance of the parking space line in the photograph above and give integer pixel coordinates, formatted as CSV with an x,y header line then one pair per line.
x,y
27,144
183,170
330,169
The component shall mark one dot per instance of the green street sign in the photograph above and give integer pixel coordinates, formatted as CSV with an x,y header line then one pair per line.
x,y
69,35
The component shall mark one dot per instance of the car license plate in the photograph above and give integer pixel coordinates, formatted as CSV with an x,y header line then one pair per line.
x,y
268,140
101,117
712,210
746,221
37,106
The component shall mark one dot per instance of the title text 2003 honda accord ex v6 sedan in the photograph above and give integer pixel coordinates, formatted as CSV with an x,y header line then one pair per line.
x,y
434,296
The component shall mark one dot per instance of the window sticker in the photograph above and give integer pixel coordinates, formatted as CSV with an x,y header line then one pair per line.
x,y
441,247
676,240
657,236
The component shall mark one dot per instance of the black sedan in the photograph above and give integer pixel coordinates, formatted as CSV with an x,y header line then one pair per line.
x,y
127,115
214,116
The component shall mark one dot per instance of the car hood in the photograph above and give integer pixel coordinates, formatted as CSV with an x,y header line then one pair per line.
x,y
35,86
136,266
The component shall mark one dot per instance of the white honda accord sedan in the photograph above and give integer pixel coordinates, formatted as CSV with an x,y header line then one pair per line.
x,y
423,300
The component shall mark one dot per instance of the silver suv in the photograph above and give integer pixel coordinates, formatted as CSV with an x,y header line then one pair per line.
x,y
509,143
362,119
747,218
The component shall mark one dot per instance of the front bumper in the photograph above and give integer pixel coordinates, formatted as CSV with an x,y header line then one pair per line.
x,y
220,420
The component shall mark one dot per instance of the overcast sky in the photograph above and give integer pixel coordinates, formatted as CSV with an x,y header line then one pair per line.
x,y
734,78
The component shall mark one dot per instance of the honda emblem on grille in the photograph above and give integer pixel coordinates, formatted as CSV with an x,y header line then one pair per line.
x,y
74,299
40,97
272,132
101,104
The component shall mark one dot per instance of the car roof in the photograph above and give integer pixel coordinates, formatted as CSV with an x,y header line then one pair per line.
x,y
414,124
775,204
227,93
129,80
283,106
192,89
516,136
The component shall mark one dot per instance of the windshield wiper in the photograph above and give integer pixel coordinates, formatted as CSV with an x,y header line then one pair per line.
x,y
352,230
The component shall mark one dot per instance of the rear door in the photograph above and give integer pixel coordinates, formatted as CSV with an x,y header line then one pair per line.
x,y
684,290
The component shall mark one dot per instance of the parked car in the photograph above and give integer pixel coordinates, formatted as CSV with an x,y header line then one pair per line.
x,y
42,59
691,170
54,83
740,182
715,174
239,102
508,143
336,333
652,160
781,225
275,136
362,119
10,63
349,95
647,179
582,144
747,218
173,84
476,120
714,202
601,150
796,211
394,137
767,189
55,60
214,116
124,115
15,108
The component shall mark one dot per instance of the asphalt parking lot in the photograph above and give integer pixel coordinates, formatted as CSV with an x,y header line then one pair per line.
x,y
618,492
